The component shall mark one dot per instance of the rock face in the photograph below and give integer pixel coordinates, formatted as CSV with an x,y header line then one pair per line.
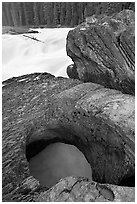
x,y
103,51
72,189
105,119
40,109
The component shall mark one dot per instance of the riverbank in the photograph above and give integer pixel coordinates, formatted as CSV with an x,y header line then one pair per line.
x,y
25,29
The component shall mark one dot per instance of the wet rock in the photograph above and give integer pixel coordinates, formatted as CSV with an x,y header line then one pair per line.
x,y
103,51
72,72
81,190
100,122
24,101
40,109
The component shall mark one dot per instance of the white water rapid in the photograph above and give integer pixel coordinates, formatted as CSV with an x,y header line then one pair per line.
x,y
22,55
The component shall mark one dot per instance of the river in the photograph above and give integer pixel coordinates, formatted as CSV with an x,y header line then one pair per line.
x,y
22,55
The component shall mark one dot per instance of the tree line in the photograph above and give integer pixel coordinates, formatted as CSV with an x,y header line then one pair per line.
x,y
52,14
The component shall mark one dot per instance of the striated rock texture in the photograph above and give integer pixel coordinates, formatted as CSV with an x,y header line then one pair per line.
x,y
40,109
103,51
72,189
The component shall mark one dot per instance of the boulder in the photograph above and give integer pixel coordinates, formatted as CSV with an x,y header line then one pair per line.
x,y
72,72
103,51
40,109
73,189
99,121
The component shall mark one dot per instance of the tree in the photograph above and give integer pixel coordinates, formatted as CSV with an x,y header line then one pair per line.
x,y
41,13
56,13
48,13
63,13
25,13
74,14
4,17
68,14
19,6
7,11
111,7
92,8
80,12
35,9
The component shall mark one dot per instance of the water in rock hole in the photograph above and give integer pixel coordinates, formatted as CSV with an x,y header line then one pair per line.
x,y
57,161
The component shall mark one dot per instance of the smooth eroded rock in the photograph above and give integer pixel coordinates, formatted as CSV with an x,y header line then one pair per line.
x,y
40,109
103,51
73,189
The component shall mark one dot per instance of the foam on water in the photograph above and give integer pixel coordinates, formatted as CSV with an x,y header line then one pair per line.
x,y
22,55
57,161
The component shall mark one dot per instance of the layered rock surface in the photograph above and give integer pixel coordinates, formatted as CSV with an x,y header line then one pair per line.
x,y
103,51
73,189
40,109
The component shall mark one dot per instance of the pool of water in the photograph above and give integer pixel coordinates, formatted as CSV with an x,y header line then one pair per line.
x,y
58,161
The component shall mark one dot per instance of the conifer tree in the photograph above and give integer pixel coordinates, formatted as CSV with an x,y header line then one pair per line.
x,y
26,13
14,14
19,6
35,9
68,14
63,13
56,13
4,16
41,13
80,12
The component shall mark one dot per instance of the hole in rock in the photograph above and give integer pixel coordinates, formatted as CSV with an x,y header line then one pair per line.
x,y
56,161
34,148
129,181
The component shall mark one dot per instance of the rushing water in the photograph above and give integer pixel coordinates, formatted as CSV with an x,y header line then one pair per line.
x,y
57,161
22,55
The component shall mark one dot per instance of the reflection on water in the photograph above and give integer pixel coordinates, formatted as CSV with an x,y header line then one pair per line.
x,y
22,55
57,161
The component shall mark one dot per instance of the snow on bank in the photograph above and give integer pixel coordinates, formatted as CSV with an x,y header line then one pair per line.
x,y
22,55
